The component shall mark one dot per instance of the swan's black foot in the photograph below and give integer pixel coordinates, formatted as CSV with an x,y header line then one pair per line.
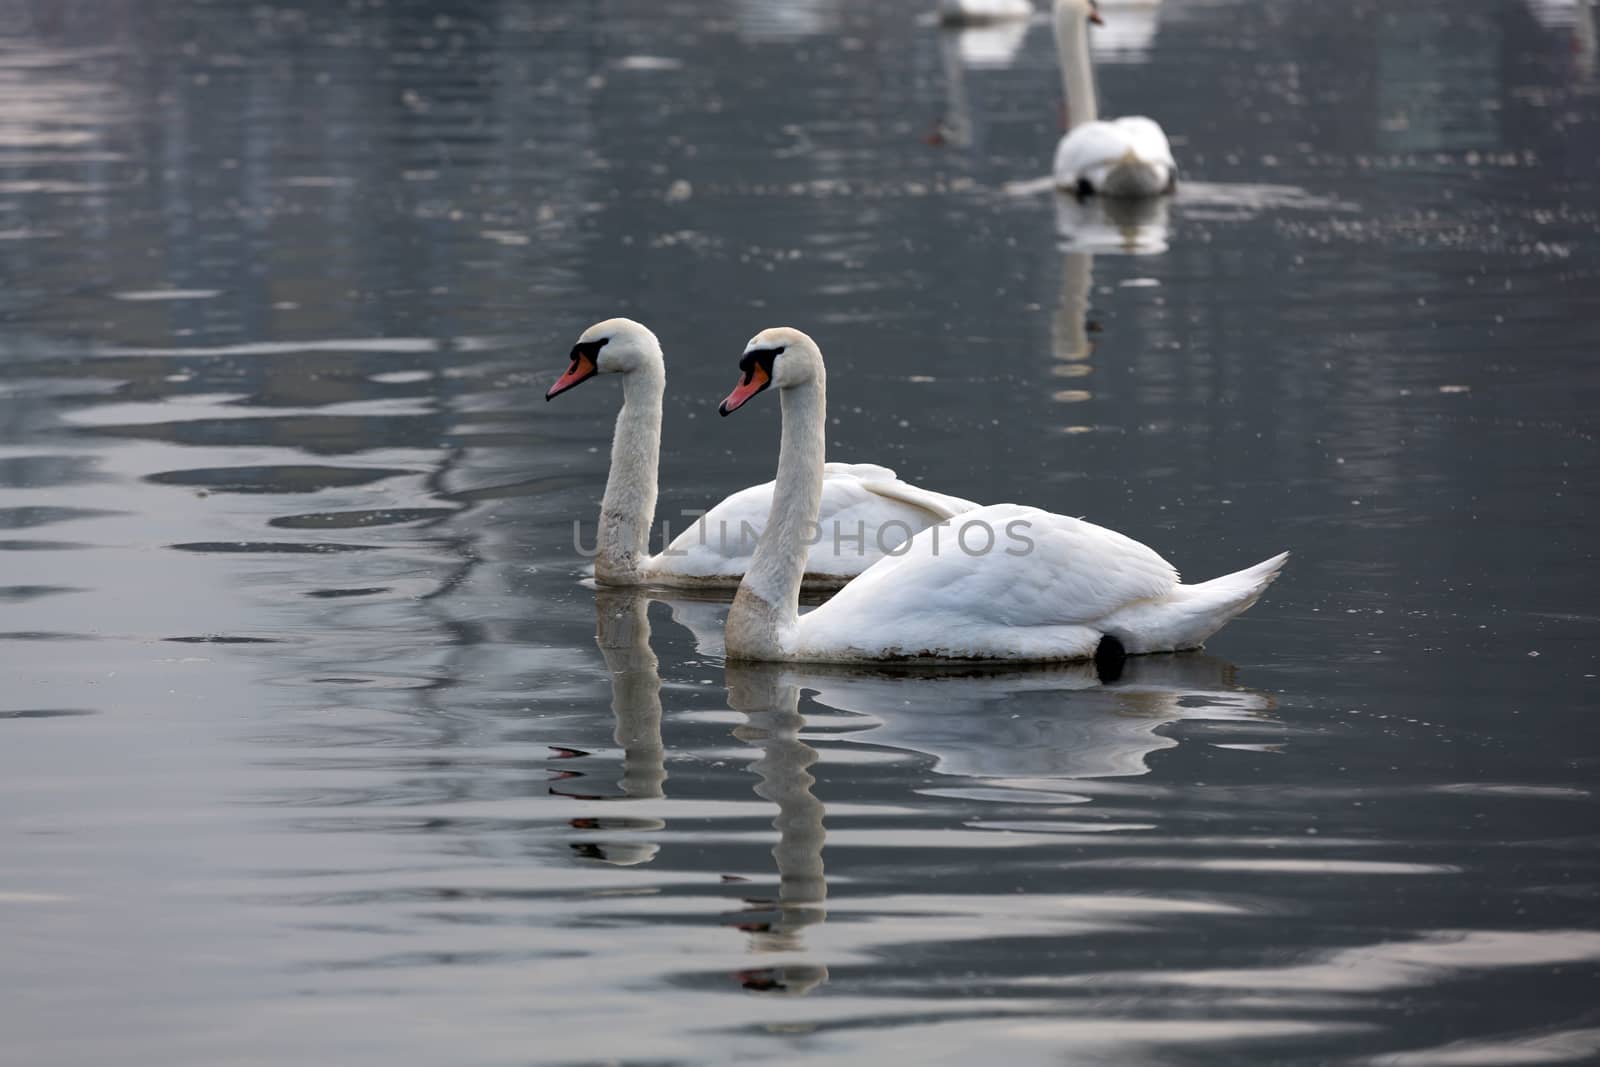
x,y
1109,658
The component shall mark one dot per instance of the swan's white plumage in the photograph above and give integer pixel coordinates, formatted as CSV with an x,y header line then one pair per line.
x,y
1003,582
1012,601
857,498
978,12
1128,157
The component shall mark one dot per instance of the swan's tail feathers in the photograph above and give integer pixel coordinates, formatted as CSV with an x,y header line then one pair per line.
x,y
1241,588
1193,612
1215,603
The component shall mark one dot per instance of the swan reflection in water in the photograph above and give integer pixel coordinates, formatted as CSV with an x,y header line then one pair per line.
x,y
1086,226
770,702
1069,721
1023,729
1111,224
622,630
987,46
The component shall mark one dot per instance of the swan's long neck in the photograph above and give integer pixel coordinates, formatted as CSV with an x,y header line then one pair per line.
x,y
767,606
1077,73
629,506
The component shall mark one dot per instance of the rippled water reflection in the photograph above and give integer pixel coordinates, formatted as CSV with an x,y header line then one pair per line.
x,y
308,749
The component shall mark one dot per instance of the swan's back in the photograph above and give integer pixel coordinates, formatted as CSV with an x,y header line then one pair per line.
x,y
1035,593
1089,152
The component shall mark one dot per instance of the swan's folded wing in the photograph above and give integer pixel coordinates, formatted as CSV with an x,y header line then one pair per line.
x,y
719,543
1014,580
1094,146
864,511
883,482
863,471
1145,137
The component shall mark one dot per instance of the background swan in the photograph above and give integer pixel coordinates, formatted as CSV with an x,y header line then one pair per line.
x,y
1127,157
857,498
980,12
1046,587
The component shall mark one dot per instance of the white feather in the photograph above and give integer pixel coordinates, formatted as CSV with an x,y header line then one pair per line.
x,y
1003,582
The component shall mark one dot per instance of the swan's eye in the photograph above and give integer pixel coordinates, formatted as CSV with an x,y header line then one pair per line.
x,y
759,357
588,349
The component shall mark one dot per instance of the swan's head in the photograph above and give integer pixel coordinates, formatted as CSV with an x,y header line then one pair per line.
x,y
615,346
1088,10
781,356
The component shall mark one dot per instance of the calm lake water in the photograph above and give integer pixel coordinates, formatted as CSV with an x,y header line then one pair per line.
x,y
308,750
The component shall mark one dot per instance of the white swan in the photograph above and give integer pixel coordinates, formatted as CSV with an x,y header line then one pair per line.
x,y
865,510
1003,582
981,12
1127,157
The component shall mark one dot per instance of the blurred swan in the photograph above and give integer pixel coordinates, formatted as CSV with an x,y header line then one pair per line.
x,y
1031,587
771,705
987,46
865,509
983,12
1062,722
1558,14
1127,157
622,630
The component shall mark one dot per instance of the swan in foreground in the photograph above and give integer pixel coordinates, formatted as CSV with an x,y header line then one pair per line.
x,y
982,12
1127,157
865,510
1003,582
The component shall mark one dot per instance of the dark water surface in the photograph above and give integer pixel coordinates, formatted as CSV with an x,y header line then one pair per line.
x,y
308,752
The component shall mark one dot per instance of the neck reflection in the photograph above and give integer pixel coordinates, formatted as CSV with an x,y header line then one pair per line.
x,y
622,630
770,702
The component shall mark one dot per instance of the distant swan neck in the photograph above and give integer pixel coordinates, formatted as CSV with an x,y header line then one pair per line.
x,y
767,607
629,506
1077,73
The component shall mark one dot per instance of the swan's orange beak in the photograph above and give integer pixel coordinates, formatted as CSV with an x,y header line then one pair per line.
x,y
757,380
582,370
1094,15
